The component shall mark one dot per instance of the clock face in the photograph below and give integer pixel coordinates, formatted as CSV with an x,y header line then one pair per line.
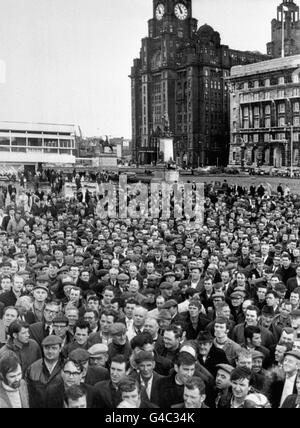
x,y
181,11
160,11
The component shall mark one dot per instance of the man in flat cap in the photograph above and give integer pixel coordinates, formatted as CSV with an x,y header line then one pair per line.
x,y
120,343
98,355
44,372
209,354
147,376
223,386
280,388
166,290
40,294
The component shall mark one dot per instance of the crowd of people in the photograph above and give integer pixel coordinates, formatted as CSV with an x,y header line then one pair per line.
x,y
150,313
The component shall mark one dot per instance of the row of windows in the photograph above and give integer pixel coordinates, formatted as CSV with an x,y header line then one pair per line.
x,y
268,82
257,96
255,138
257,123
281,108
36,142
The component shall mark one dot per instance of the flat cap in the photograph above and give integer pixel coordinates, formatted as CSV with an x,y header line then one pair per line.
x,y
78,254
61,318
97,350
169,273
268,310
165,286
123,277
41,287
295,313
204,337
164,314
226,367
218,295
257,354
295,354
42,278
237,295
79,355
144,356
169,304
118,328
51,340
102,272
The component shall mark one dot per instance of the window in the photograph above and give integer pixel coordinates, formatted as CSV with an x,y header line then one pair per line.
x,y
296,121
255,138
267,138
35,142
296,107
246,124
256,111
281,121
281,81
4,141
18,141
281,108
267,109
267,83
268,123
256,123
50,142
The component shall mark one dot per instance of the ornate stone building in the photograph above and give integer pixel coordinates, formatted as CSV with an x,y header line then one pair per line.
x,y
289,12
179,86
265,113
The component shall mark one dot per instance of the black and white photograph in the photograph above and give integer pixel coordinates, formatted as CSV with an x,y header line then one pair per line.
x,y
150,207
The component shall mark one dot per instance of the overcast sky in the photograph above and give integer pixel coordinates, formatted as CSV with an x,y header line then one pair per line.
x,y
68,61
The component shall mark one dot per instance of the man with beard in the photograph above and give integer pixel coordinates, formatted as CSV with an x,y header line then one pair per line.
x,y
13,389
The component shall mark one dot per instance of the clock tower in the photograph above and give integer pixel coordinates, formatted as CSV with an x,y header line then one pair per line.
x,y
172,16
178,88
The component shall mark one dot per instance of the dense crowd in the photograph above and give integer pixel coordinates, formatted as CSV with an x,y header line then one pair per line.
x,y
150,313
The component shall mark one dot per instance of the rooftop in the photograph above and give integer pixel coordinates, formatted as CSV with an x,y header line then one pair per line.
x,y
266,66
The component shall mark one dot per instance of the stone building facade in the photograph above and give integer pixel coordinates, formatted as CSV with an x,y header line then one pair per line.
x,y
179,87
265,113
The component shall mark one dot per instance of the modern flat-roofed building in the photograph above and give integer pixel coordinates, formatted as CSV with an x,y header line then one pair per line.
x,y
36,144
265,113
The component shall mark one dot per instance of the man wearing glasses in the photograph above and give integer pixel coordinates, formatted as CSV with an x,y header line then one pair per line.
x,y
40,330
71,374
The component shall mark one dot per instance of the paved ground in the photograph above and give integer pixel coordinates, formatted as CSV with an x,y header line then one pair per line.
x,y
247,181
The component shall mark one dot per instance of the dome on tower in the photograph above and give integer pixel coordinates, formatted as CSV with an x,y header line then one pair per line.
x,y
205,29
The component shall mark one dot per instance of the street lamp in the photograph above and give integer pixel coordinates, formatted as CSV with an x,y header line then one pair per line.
x,y
290,123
